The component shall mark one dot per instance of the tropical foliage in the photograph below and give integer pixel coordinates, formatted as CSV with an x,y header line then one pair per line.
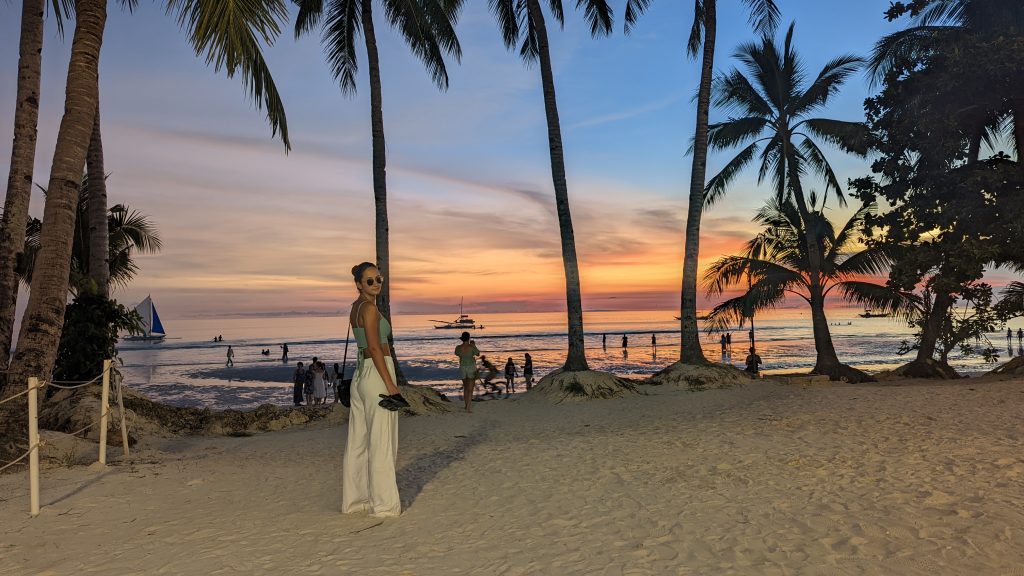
x,y
776,266
130,232
92,323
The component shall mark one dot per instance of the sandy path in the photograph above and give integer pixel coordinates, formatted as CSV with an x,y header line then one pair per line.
x,y
760,480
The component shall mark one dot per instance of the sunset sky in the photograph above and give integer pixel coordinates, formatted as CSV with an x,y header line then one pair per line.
x,y
248,228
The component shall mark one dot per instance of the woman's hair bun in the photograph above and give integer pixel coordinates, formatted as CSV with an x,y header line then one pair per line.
x,y
358,269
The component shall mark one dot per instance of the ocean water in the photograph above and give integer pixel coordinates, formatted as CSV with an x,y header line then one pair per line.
x,y
187,369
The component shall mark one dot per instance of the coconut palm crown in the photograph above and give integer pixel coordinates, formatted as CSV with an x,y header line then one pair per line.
x,y
772,117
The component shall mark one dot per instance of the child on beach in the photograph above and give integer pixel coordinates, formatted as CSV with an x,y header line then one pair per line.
x,y
492,372
510,376
753,362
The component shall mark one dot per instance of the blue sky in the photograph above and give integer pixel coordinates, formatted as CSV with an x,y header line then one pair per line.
x,y
248,228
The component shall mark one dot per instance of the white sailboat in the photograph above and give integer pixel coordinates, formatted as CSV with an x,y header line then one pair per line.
x,y
152,328
463,322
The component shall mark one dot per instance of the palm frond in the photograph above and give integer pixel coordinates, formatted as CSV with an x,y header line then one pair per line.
x,y
598,13
851,137
228,34
427,29
634,9
764,15
557,12
909,45
813,157
696,38
735,311
310,14
733,92
343,23
506,14
904,306
1011,304
719,183
827,83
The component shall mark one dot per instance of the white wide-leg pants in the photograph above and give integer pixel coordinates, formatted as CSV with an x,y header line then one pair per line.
x,y
368,468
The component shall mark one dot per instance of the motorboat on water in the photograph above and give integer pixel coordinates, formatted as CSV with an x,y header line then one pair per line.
x,y
463,322
152,328
868,313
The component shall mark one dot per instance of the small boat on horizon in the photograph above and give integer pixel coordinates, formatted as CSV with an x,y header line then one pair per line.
x,y
152,328
869,313
463,322
704,317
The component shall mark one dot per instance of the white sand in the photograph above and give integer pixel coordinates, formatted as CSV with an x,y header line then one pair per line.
x,y
914,479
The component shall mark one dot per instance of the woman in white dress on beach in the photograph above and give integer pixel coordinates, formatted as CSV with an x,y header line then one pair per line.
x,y
368,467
319,381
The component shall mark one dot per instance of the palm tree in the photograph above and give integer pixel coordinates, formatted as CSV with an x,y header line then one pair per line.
x,y
23,154
96,213
764,16
777,264
228,35
944,25
523,21
428,27
775,126
129,232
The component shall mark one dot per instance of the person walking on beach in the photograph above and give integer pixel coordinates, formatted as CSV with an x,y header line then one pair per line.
x,y
368,466
604,341
298,383
654,343
1009,337
510,377
753,362
490,374
1020,336
284,352
319,371
728,341
467,353
722,341
625,342
231,356
528,371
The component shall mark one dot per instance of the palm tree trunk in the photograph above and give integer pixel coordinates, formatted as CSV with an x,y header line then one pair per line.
x,y
99,236
576,360
826,361
380,184
44,317
690,351
19,180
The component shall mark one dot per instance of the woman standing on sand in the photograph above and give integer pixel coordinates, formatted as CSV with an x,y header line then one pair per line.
x,y
368,467
467,353
528,371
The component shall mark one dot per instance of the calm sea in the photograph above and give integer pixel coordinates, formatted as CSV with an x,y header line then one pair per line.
x,y
188,368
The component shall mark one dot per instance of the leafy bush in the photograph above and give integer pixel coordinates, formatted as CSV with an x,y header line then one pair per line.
x,y
91,327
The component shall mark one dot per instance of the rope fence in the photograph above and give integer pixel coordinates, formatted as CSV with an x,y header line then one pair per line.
x,y
32,390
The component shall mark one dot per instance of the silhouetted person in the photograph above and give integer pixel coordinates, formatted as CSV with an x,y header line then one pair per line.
x,y
1009,336
625,342
728,341
1020,336
654,343
510,376
298,382
753,362
750,335
723,342
604,341
528,371
284,352
231,356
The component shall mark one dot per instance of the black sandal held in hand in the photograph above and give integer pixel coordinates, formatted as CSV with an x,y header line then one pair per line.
x,y
393,402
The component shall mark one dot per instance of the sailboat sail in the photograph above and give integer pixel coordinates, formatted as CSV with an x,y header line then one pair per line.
x,y
152,328
157,327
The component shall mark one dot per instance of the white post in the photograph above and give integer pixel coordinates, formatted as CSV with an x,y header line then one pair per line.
x,y
104,402
120,408
33,442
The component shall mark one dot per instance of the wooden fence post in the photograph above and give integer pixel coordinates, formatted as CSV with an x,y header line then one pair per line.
x,y
104,402
120,408
33,443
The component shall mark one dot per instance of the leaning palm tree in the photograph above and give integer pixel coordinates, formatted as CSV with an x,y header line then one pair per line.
x,y
764,16
776,127
228,35
777,265
428,27
23,154
522,23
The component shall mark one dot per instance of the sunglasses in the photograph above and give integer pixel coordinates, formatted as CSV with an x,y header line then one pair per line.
x,y
378,280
